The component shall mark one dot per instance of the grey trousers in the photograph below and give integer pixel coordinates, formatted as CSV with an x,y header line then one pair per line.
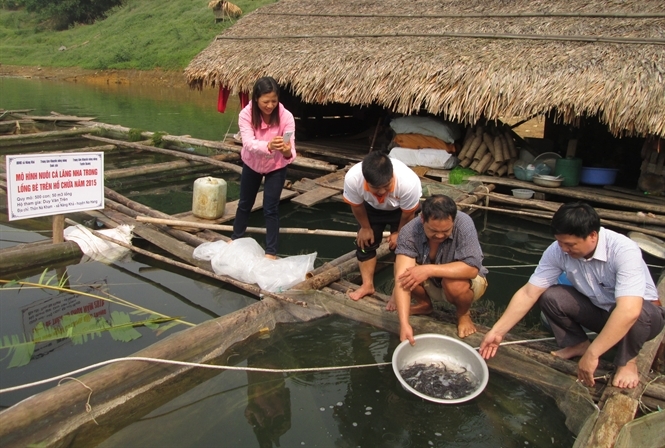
x,y
568,310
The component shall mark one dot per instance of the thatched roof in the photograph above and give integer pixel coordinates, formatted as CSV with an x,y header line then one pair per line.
x,y
466,59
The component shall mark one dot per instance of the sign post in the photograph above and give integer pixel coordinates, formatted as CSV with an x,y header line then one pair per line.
x,y
54,184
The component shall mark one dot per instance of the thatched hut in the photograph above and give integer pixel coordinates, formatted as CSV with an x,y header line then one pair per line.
x,y
464,59
593,68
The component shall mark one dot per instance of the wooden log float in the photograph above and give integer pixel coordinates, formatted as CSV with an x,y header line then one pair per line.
x,y
509,362
336,272
123,391
300,161
162,167
29,139
35,255
170,152
58,117
618,406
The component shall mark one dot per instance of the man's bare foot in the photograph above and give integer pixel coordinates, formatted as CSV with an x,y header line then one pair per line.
x,y
421,308
572,351
417,308
626,377
270,256
361,292
465,325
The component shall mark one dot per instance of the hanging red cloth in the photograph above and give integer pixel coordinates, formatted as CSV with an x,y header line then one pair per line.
x,y
222,99
244,99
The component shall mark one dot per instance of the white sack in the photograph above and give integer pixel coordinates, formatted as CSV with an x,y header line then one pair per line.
x,y
97,248
432,158
413,124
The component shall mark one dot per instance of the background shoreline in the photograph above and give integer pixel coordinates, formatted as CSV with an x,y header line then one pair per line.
x,y
174,79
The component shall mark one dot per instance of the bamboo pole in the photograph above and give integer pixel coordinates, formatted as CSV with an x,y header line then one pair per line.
x,y
512,150
633,217
480,152
489,141
484,163
227,228
170,152
494,167
498,148
573,192
166,166
465,162
475,144
546,215
133,209
504,146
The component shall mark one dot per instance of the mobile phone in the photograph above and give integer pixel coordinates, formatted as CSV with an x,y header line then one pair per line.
x,y
287,136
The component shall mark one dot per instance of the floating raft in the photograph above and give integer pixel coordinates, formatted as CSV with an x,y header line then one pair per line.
x,y
56,416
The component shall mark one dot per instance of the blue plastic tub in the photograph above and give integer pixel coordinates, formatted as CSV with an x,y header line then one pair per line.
x,y
598,176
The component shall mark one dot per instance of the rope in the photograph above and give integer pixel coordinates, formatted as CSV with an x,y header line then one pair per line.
x,y
210,366
187,364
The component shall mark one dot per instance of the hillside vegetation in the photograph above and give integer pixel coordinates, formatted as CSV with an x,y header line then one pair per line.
x,y
140,34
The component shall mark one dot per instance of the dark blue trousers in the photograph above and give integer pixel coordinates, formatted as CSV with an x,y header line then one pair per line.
x,y
250,182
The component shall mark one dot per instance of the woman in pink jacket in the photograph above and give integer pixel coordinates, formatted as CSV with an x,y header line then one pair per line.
x,y
265,154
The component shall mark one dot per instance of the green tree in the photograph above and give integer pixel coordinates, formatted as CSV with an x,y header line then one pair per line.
x,y
63,13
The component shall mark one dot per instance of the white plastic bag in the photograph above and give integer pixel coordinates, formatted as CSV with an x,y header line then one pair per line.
x,y
207,251
238,259
281,274
244,260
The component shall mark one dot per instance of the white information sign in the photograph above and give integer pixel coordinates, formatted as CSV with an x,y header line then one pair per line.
x,y
54,184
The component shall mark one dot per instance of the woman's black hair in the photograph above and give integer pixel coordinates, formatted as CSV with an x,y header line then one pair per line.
x,y
575,218
264,85
377,169
438,206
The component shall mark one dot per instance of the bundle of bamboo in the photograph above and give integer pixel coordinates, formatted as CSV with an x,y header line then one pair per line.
x,y
652,171
490,150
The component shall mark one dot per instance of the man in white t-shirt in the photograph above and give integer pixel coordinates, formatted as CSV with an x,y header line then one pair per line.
x,y
381,192
612,294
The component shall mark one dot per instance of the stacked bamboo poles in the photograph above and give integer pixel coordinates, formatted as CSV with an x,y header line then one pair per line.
x,y
489,150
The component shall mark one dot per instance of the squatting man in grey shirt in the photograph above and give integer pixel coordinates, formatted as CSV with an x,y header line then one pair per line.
x,y
438,257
